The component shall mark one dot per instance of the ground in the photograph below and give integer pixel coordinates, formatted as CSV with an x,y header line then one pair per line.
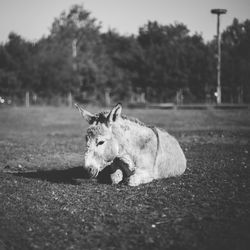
x,y
47,201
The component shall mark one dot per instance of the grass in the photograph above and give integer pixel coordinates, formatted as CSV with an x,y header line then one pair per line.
x,y
47,202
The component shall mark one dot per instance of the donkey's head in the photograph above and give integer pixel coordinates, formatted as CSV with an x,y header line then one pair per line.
x,y
102,144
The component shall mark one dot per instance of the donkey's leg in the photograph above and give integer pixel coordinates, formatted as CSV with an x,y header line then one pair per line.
x,y
126,168
128,160
139,177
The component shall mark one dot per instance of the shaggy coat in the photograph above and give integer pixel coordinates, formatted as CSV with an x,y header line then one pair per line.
x,y
150,152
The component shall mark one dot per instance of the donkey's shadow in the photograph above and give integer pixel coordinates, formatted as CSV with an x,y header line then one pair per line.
x,y
72,175
67,176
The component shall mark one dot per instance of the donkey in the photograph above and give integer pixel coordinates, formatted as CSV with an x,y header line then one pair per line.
x,y
149,152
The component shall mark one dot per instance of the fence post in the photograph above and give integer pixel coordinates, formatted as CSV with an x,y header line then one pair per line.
x,y
70,101
107,97
27,99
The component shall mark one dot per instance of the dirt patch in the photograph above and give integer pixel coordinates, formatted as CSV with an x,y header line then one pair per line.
x,y
55,206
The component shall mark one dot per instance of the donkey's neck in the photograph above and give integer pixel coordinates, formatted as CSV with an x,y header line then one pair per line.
x,y
132,135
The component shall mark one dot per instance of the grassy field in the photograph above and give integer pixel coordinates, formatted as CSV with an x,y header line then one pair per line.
x,y
46,201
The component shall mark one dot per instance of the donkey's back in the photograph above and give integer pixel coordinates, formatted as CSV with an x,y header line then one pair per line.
x,y
171,160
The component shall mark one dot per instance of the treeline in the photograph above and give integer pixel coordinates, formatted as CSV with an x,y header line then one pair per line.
x,y
158,64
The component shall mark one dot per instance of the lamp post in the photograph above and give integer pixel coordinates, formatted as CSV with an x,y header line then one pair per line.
x,y
218,12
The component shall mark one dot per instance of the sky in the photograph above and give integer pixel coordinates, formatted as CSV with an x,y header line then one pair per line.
x,y
32,19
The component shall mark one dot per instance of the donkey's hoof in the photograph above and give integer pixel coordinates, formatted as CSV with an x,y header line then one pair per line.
x,y
116,177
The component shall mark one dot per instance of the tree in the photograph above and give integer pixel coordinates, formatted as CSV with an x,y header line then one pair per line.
x,y
16,66
236,62
123,55
173,60
160,61
83,71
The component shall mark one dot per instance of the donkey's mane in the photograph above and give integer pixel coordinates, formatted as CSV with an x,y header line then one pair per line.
x,y
101,117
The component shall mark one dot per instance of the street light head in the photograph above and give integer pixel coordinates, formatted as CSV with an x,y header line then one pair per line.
x,y
218,11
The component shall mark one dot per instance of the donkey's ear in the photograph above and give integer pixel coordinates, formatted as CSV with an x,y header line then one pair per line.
x,y
114,114
85,114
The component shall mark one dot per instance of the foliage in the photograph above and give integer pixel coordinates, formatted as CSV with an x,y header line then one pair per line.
x,y
161,60
173,60
236,60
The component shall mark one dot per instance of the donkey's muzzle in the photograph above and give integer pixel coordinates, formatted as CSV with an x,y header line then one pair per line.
x,y
92,164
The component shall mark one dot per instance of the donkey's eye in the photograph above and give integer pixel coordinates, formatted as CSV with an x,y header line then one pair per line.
x,y
99,143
